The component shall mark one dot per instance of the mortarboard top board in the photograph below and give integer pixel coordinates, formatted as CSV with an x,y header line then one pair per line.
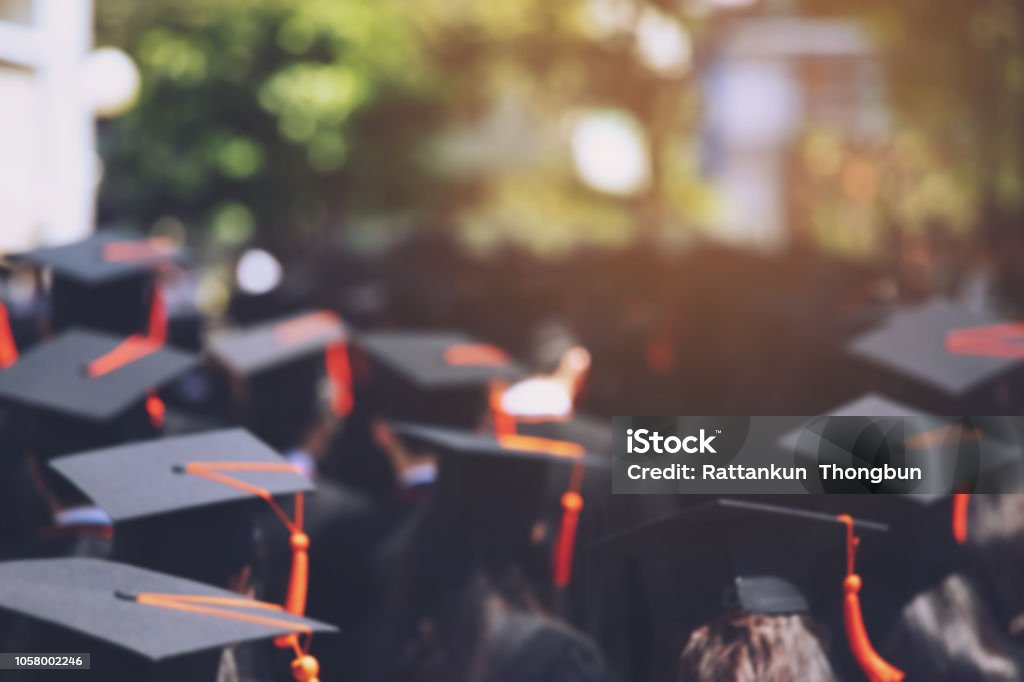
x,y
595,435
250,351
147,479
942,345
765,558
437,360
103,258
481,447
107,601
90,376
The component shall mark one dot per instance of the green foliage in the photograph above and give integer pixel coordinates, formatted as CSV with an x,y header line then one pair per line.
x,y
314,115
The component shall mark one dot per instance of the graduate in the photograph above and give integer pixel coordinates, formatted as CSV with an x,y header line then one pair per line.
x,y
291,386
188,506
78,391
462,604
441,378
752,587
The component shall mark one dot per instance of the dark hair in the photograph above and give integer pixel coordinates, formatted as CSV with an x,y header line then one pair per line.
x,y
436,615
995,551
959,629
949,633
749,647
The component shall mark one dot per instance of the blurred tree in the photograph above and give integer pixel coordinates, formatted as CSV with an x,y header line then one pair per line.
x,y
314,115
267,114
956,76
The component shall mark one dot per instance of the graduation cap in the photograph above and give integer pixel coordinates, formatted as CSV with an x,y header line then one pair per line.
x,y
944,346
154,616
189,473
737,555
90,379
495,486
284,355
436,377
152,478
102,282
438,359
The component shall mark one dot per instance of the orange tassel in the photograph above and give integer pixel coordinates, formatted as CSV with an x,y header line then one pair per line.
x,y
572,504
504,424
157,317
8,349
961,503
339,371
157,410
876,668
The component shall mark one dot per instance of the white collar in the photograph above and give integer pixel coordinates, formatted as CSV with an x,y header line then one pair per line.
x,y
419,474
82,516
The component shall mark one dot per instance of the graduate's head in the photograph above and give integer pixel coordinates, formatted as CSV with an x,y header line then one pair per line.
x,y
750,583
751,647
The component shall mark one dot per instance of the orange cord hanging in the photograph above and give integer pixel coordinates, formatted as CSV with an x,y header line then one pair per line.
x,y
8,348
157,316
876,668
305,668
503,423
505,426
156,410
572,505
295,602
961,503
339,371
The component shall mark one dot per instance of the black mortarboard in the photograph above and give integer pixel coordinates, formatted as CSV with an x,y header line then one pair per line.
x,y
434,377
103,258
954,454
267,346
103,282
184,505
147,479
281,364
438,360
90,376
744,556
114,603
943,346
